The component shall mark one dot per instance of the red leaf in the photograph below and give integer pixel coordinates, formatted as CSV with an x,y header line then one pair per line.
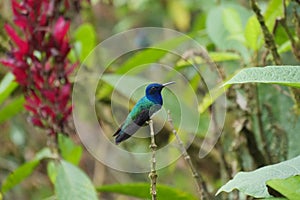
x,y
60,29
70,69
47,112
43,19
67,4
8,62
21,76
64,48
65,91
18,8
67,113
23,46
50,95
37,122
21,22
33,100
30,108
52,78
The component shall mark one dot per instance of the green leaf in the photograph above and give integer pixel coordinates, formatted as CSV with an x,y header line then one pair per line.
x,y
287,187
19,175
12,108
233,24
52,171
274,11
7,86
24,171
284,75
211,97
225,35
141,190
44,153
180,14
253,34
69,151
286,46
215,56
223,56
254,183
73,184
151,54
85,41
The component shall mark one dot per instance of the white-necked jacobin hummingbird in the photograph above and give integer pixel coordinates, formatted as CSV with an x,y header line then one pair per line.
x,y
142,111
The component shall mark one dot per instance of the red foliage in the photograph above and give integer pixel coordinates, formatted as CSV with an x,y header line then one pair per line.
x,y
39,60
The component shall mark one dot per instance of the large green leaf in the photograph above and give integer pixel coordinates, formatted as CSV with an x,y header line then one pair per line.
x,y
12,108
141,190
253,34
152,54
233,24
7,86
224,27
284,75
24,170
69,151
85,41
18,175
73,184
288,187
254,183
273,12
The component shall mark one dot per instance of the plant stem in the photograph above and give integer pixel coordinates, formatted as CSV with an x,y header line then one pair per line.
x,y
261,128
254,151
269,39
153,174
202,189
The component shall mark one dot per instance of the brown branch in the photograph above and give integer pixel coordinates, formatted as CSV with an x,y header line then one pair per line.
x,y
201,185
153,174
297,22
269,39
295,44
254,151
202,53
261,128
219,146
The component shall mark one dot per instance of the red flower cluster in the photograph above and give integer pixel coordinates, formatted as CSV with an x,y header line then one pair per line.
x,y
39,60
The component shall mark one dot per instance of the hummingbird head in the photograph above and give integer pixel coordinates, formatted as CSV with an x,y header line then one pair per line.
x,y
153,91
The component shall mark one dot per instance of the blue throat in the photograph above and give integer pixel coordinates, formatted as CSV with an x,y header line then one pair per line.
x,y
155,98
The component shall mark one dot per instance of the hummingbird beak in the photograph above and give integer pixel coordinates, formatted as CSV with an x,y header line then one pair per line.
x,y
169,83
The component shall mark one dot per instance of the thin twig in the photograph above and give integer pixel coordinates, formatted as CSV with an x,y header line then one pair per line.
x,y
294,43
261,128
202,189
52,143
153,174
218,145
254,151
269,39
202,53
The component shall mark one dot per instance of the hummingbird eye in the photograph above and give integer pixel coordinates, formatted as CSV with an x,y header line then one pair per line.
x,y
152,89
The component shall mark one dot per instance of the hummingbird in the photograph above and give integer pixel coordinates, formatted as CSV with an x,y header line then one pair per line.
x,y
142,111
